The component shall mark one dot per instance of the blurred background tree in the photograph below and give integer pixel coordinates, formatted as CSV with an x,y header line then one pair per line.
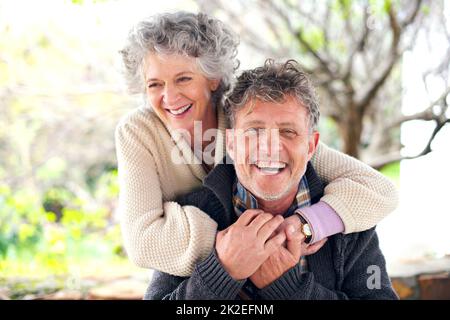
x,y
62,94
353,50
60,99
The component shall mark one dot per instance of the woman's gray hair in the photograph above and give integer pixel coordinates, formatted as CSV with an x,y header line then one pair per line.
x,y
273,82
208,40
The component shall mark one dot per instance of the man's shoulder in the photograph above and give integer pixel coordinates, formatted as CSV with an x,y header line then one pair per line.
x,y
356,241
161,284
315,185
196,197
356,236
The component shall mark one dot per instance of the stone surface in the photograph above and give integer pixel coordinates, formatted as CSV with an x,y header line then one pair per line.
x,y
418,266
125,289
435,287
406,288
4,294
63,295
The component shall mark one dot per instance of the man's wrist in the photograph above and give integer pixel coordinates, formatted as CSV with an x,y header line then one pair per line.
x,y
285,286
217,278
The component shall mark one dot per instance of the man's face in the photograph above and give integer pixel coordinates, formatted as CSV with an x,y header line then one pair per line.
x,y
271,146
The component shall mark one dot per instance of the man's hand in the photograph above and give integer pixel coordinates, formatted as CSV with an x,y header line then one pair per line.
x,y
280,261
246,244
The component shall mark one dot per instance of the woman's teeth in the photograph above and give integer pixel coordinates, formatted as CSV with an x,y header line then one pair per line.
x,y
181,110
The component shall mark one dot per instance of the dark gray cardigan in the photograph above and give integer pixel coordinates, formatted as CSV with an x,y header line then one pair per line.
x,y
341,269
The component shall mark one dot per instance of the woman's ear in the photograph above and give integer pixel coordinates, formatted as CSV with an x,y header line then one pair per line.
x,y
229,143
214,84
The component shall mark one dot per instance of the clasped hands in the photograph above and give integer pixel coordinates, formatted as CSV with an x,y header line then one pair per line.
x,y
262,247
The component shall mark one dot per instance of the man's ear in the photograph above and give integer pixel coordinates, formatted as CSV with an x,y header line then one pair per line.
x,y
313,141
229,137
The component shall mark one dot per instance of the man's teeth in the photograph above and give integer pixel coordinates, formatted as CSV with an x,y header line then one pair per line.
x,y
271,165
271,168
181,110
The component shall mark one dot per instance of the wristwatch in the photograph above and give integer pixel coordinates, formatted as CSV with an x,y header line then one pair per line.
x,y
306,229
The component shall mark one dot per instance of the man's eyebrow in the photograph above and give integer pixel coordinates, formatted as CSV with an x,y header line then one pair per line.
x,y
254,123
261,123
286,124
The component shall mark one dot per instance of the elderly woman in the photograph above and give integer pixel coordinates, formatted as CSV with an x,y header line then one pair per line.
x,y
183,64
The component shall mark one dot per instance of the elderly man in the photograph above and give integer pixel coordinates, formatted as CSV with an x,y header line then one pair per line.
x,y
260,250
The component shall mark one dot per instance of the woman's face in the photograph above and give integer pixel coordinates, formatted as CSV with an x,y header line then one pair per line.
x,y
177,91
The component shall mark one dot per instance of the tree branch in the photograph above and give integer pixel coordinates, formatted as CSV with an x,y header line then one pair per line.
x,y
426,115
412,17
394,157
371,92
323,64
359,46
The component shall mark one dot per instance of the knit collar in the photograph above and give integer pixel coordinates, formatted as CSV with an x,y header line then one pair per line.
x,y
244,199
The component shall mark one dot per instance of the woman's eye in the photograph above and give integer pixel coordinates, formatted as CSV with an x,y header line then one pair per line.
x,y
184,79
153,85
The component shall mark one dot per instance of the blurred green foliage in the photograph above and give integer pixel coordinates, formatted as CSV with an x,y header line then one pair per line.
x,y
59,104
392,171
46,233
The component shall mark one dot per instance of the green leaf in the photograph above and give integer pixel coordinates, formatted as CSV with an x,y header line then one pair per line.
x,y
387,6
425,9
52,169
26,231
315,38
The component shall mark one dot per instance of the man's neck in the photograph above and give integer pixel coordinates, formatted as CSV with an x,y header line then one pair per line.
x,y
278,206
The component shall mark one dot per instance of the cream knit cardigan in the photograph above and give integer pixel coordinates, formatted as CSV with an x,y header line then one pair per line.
x,y
160,234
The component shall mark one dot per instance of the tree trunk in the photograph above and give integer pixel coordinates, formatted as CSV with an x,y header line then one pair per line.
x,y
350,130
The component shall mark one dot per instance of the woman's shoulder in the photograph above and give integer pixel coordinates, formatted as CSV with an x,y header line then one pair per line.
x,y
139,118
142,126
140,123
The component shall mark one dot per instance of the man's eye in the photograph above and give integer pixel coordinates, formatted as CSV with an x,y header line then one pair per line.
x,y
251,131
288,133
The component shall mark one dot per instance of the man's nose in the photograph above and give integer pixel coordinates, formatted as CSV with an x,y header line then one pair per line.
x,y
269,145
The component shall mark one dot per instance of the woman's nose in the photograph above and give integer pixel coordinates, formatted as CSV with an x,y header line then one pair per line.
x,y
170,95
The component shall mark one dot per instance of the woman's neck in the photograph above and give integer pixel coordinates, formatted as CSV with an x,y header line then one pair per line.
x,y
209,122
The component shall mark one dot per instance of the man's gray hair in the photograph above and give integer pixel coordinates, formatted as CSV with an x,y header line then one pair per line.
x,y
273,82
207,39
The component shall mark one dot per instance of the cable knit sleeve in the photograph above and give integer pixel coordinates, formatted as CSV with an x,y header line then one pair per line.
x,y
159,235
360,195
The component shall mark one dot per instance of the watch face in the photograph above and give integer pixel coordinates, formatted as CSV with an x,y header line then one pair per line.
x,y
306,230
